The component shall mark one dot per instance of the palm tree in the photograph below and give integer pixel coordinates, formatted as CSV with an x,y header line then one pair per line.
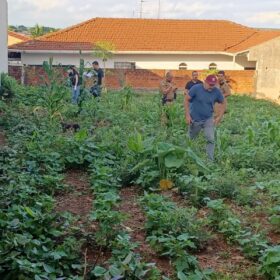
x,y
103,50
37,31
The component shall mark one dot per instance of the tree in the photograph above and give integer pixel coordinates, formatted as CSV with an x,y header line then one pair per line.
x,y
11,28
103,50
37,31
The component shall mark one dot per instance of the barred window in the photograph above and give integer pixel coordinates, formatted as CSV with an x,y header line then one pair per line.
x,y
183,66
14,56
213,66
124,65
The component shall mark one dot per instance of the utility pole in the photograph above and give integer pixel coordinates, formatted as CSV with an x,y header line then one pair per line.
x,y
141,8
159,9
4,36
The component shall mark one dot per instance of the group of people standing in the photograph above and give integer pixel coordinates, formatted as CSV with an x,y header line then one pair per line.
x,y
205,104
205,101
76,80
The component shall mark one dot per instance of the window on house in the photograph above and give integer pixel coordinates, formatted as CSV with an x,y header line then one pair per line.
x,y
183,66
213,66
14,56
124,65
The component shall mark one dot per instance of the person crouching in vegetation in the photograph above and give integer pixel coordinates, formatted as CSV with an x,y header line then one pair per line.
x,y
224,88
168,89
75,84
199,109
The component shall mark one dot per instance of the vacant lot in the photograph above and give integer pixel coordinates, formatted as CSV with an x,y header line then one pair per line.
x,y
128,196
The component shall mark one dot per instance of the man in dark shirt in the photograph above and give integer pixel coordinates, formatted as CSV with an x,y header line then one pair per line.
x,y
100,75
199,107
75,83
192,82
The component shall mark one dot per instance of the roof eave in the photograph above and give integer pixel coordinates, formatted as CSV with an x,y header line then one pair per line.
x,y
242,52
122,52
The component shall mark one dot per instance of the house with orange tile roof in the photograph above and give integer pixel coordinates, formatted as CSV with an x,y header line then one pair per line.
x,y
153,44
15,38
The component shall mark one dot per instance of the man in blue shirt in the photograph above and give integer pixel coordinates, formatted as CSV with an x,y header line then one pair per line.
x,y
199,107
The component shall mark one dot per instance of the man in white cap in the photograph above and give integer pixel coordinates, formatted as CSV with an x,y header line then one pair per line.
x,y
199,108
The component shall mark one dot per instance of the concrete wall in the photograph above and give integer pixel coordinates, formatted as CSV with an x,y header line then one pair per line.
x,y
267,80
242,61
144,61
3,36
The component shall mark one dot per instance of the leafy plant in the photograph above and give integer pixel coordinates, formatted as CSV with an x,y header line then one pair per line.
x,y
8,86
270,263
53,92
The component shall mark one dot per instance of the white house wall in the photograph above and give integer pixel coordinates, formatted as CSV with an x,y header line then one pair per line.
x,y
144,61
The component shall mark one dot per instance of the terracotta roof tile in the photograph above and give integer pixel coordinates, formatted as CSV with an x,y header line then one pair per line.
x,y
52,45
256,38
153,35
19,36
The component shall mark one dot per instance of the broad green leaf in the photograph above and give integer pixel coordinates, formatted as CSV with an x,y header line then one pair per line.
x,y
173,161
48,268
182,276
115,271
98,271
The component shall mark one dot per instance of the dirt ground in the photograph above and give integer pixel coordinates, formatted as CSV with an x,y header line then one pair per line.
x,y
3,141
78,200
136,225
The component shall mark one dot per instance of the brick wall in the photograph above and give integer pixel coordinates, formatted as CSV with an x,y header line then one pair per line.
x,y
15,71
241,81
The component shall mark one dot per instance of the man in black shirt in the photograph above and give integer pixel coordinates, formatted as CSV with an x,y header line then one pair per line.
x,y
100,75
192,82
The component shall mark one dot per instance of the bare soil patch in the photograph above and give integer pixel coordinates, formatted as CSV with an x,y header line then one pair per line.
x,y
79,200
3,141
136,225
224,258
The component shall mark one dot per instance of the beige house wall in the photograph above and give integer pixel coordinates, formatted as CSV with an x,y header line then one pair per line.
x,y
267,80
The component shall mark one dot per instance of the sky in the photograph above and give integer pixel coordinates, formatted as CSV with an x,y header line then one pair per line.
x,y
64,13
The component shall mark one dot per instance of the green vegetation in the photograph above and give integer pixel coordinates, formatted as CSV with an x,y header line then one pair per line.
x,y
35,31
123,142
